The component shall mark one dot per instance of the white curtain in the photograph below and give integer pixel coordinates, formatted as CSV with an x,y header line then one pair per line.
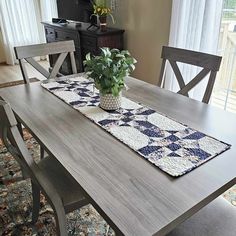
x,y
195,25
20,22
20,25
48,9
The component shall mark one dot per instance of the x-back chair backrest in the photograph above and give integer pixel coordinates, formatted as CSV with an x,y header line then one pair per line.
x,y
14,143
11,137
29,52
209,63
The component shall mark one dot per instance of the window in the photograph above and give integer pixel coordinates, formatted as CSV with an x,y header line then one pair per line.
x,y
224,94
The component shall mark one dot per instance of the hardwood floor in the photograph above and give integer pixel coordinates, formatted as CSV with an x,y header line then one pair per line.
x,y
10,73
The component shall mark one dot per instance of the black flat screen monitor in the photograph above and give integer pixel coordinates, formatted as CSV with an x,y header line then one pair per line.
x,y
76,10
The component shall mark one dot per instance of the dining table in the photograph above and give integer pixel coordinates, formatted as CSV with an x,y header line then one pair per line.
x,y
136,197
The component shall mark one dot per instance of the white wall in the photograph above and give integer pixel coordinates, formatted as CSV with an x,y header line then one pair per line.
x,y
147,26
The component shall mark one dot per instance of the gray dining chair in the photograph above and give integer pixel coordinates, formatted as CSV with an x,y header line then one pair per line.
x,y
48,176
61,49
216,219
210,64
29,52
63,193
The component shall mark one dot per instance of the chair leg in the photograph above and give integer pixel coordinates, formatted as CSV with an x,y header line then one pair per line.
x,y
36,202
19,126
60,216
118,233
24,174
42,152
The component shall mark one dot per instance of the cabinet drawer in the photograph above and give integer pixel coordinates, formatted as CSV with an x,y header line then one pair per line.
x,y
89,42
49,31
61,36
111,41
50,34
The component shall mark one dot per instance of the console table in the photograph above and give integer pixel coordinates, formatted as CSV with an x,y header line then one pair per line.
x,y
86,40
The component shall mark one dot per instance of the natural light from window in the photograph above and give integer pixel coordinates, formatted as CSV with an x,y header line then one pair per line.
x,y
224,94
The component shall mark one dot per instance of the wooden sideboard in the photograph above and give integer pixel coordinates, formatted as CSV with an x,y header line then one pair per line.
x,y
86,40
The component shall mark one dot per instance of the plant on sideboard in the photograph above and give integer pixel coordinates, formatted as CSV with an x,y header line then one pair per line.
x,y
108,70
102,11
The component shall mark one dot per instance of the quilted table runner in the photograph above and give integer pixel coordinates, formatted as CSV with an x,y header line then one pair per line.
x,y
173,147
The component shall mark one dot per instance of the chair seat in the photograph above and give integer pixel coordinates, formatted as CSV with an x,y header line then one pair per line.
x,y
69,190
216,219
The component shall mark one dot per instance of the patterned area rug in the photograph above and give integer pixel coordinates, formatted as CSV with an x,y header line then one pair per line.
x,y
16,204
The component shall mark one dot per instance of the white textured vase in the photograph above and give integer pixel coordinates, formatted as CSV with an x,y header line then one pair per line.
x,y
110,102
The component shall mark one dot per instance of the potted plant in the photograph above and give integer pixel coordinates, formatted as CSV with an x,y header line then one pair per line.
x,y
102,11
108,70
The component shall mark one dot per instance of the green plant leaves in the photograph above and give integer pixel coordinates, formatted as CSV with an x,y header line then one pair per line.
x,y
88,57
109,69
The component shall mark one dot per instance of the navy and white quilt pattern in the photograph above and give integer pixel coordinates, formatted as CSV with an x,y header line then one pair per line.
x,y
168,144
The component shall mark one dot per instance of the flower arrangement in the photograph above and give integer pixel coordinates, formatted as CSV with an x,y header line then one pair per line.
x,y
100,9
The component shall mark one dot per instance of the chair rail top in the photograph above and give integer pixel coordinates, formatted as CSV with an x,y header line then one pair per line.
x,y
44,49
192,57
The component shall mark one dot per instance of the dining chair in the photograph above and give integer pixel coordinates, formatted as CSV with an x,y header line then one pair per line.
x,y
216,219
48,176
63,193
210,64
29,52
61,190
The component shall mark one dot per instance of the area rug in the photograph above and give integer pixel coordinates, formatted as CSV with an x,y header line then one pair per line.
x,y
173,147
16,204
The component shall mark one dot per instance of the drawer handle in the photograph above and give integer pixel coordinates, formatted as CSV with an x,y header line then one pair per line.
x,y
67,37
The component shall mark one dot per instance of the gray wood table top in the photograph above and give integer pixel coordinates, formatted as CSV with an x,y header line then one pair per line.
x,y
138,197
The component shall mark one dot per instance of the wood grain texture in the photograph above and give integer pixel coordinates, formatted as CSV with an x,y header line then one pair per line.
x,y
136,196
48,175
